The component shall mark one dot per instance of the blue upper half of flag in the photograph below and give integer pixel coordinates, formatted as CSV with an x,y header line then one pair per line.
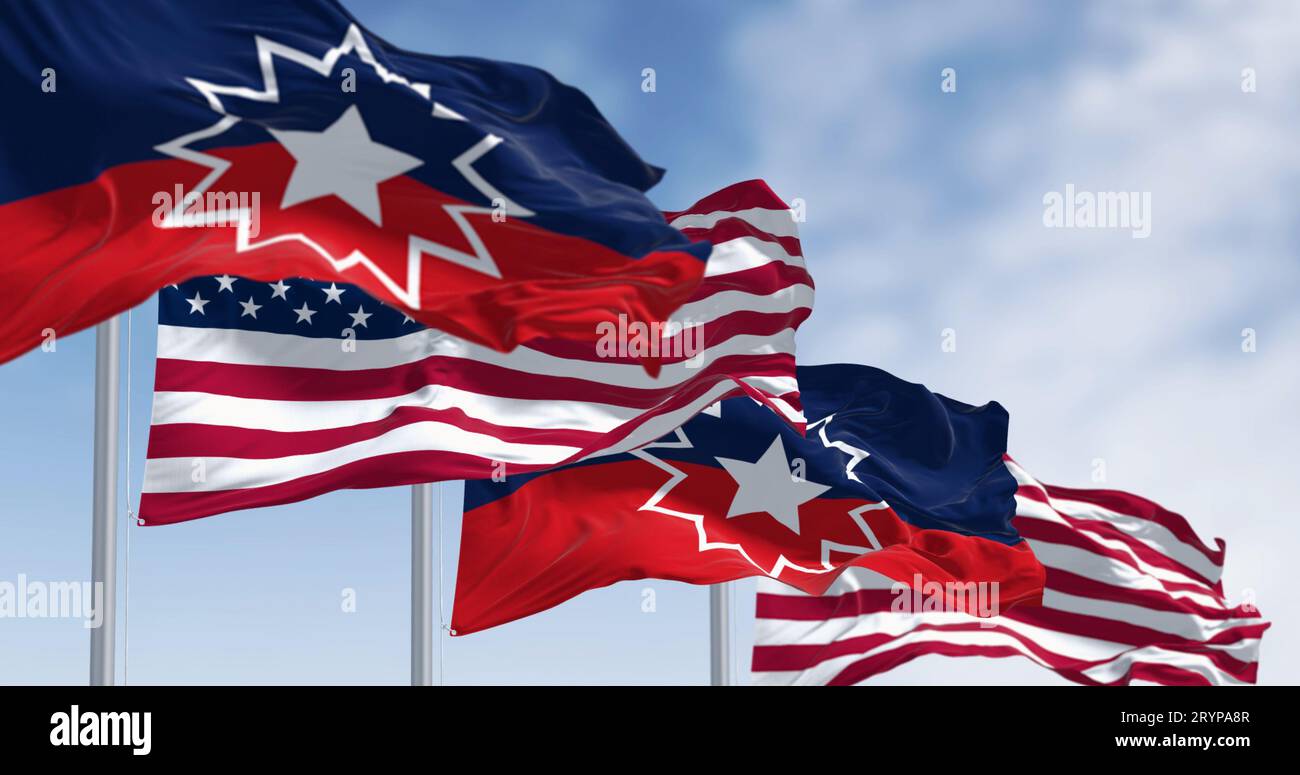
x,y
871,436
90,86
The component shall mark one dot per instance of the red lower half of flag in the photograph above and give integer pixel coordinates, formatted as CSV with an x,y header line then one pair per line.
x,y
568,531
75,256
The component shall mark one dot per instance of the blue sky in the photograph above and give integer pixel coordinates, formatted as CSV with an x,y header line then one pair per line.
x,y
923,213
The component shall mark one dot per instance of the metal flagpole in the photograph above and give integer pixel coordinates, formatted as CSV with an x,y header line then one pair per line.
x,y
421,585
719,636
103,556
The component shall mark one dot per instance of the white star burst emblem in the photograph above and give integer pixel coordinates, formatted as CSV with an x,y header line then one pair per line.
x,y
676,476
311,184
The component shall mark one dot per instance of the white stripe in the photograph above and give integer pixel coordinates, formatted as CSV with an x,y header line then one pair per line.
x,y
224,473
723,303
778,223
171,407
744,253
257,348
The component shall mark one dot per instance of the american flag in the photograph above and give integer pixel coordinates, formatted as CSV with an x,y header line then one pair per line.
x,y
269,393
1132,594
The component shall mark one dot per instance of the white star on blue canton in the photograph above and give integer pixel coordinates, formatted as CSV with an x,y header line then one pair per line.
x,y
279,290
225,283
197,304
304,314
250,309
360,317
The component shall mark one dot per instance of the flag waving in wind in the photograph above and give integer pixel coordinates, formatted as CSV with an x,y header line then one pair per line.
x,y
890,477
1132,594
150,141
269,393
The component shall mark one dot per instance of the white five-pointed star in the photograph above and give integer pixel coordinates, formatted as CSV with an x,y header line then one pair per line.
x,y
333,293
249,308
279,289
342,161
197,304
767,485
225,283
304,314
360,317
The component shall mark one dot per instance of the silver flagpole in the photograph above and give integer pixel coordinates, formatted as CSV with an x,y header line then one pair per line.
x,y
719,636
103,553
421,585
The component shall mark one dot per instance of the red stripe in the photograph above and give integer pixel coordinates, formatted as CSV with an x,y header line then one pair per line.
x,y
286,383
822,607
738,196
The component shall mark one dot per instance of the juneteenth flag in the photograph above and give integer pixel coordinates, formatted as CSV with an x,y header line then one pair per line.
x,y
890,477
150,141
269,393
